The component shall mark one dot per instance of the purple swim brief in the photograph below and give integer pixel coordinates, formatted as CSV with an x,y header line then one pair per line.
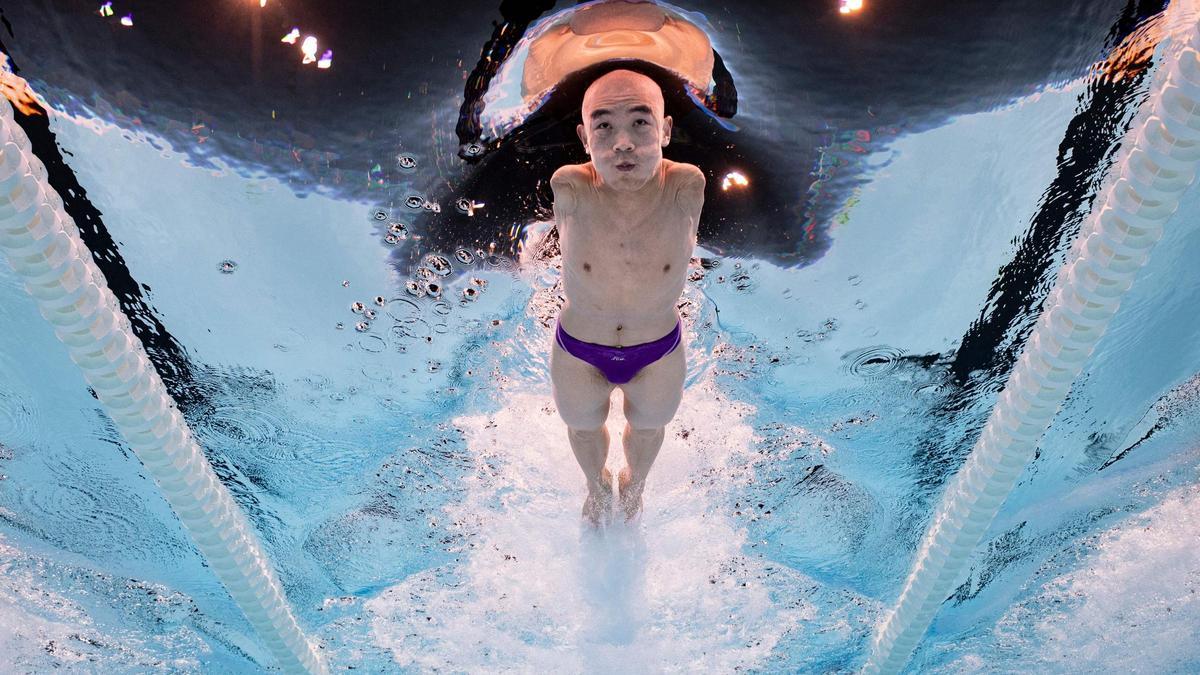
x,y
619,364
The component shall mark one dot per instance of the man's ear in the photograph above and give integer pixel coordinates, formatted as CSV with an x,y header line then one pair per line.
x,y
582,138
667,125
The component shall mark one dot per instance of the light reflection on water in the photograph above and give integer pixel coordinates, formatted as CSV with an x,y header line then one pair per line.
x,y
414,487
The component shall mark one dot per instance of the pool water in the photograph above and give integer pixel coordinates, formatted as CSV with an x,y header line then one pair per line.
x,y
413,485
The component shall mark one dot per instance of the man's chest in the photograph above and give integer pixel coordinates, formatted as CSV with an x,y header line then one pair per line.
x,y
596,230
627,248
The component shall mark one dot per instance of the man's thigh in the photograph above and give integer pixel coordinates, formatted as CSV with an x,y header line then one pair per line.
x,y
581,392
653,395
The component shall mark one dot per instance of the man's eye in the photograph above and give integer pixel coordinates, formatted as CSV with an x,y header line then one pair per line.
x,y
643,121
602,125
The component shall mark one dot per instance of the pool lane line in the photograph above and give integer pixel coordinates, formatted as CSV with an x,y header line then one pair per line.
x,y
1141,193
43,246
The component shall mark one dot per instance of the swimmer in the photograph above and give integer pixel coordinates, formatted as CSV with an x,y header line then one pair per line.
x,y
627,224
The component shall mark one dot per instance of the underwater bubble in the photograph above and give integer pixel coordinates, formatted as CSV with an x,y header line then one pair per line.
x,y
345,283
434,366
413,202
379,300
493,260
434,289
227,267
473,149
859,304
407,163
357,307
463,204
362,326
403,309
481,283
470,293
379,214
441,308
340,325
810,336
432,206
369,313
392,239
424,273
931,389
475,356
415,289
742,281
441,328
417,328
464,256
710,263
873,361
854,279
439,264
372,343
399,229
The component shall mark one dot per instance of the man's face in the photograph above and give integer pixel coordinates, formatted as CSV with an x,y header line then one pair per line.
x,y
624,130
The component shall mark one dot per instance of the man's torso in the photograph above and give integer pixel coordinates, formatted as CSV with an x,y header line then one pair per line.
x,y
624,262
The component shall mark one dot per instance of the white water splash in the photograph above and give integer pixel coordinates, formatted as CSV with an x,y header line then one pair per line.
x,y
1132,606
535,591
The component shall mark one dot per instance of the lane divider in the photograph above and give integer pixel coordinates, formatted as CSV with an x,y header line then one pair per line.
x,y
1142,191
43,246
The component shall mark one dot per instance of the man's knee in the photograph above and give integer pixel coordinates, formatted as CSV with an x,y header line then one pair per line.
x,y
580,417
648,418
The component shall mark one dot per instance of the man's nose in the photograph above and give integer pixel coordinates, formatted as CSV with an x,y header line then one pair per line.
x,y
623,142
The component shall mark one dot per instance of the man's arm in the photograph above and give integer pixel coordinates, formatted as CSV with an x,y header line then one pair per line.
x,y
562,184
689,194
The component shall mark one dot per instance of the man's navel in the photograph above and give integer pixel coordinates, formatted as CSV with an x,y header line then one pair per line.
x,y
587,267
667,268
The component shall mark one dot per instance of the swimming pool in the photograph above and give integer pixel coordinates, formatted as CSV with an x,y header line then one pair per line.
x,y
411,482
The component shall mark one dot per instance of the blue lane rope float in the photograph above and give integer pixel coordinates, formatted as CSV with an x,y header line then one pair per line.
x,y
1142,191
43,246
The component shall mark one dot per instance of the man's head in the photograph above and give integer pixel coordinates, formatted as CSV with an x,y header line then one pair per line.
x,y
624,129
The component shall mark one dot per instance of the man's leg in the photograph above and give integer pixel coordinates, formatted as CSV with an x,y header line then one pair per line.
x,y
591,451
581,395
651,399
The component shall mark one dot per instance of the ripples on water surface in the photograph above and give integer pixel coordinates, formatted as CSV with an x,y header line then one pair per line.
x,y
391,435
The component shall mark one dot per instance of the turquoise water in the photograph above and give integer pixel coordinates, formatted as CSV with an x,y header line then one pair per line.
x,y
413,484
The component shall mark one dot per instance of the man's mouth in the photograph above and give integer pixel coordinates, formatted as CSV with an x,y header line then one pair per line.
x,y
626,166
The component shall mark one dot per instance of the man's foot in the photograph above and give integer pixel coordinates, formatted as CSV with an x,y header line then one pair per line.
x,y
631,495
597,508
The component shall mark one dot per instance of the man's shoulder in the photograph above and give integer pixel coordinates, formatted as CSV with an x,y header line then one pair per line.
x,y
684,174
571,174
567,182
688,181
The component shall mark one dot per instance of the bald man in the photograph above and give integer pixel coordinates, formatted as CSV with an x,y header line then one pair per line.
x,y
627,228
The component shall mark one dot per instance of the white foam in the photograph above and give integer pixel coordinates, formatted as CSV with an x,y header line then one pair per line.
x,y
1132,606
535,591
42,629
